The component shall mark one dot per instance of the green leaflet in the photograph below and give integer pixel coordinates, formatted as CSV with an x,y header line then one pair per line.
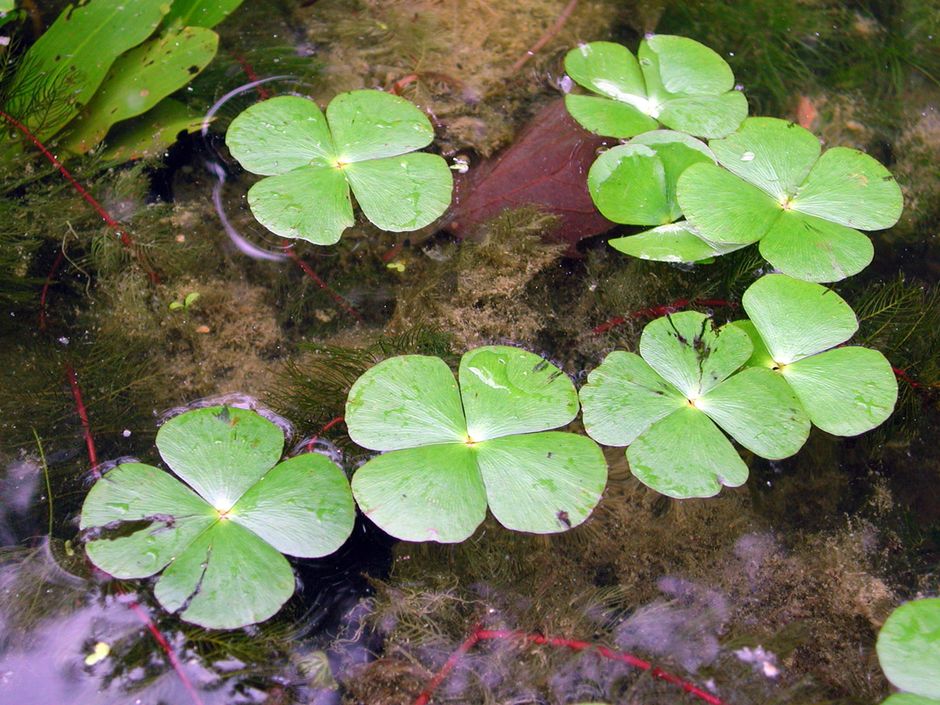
x,y
909,651
219,537
454,448
200,13
362,144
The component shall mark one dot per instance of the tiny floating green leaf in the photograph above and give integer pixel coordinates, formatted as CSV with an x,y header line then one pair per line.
x,y
452,449
676,81
363,143
219,535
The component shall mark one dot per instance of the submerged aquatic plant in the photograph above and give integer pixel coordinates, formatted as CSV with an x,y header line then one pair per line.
x,y
909,652
798,329
449,450
676,82
668,403
365,143
219,538
806,209
98,65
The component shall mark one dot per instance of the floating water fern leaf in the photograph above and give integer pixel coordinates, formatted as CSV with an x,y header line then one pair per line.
x,y
909,652
365,143
452,450
795,327
218,539
803,208
677,82
665,403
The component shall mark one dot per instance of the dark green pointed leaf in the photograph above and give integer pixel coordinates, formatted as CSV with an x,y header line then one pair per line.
x,y
909,647
72,58
685,455
371,124
760,411
402,193
405,401
797,319
507,390
279,135
427,493
686,349
150,134
201,13
846,391
850,188
220,451
623,397
139,79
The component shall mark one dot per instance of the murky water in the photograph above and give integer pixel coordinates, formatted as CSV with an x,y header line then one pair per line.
x,y
770,593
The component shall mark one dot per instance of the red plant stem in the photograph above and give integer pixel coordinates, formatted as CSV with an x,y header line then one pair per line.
x,y
249,72
83,415
43,318
340,301
547,37
480,634
329,424
167,649
656,311
88,198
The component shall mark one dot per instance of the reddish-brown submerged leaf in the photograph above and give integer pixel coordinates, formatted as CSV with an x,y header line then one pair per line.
x,y
545,167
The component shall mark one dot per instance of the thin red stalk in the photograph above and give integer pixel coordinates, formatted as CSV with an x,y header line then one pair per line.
x,y
329,424
425,696
249,72
123,235
547,37
656,311
167,649
83,415
43,318
340,301
134,606
480,634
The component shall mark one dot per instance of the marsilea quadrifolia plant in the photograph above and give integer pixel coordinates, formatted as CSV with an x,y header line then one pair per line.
x,y
758,179
450,448
909,651
366,143
217,531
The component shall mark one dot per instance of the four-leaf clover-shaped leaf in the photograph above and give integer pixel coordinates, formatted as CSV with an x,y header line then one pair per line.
x,y
677,82
219,537
365,143
450,451
803,208
665,403
795,327
909,652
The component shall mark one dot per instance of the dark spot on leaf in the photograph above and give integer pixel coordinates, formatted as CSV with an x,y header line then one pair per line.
x,y
540,366
123,528
549,455
193,70
563,518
